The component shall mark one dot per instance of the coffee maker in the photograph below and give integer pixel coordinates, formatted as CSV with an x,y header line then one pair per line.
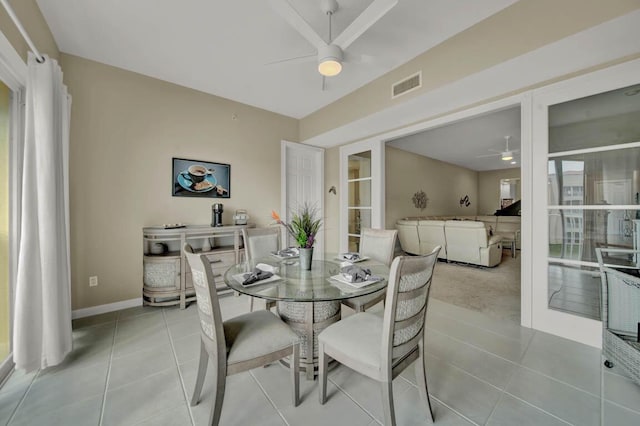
x,y
216,214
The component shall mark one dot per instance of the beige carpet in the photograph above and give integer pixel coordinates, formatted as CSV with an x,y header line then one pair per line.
x,y
493,291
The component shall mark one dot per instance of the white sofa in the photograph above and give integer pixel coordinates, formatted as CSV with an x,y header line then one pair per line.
x,y
420,237
408,235
468,242
468,239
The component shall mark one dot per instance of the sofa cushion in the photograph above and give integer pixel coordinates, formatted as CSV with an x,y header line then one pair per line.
x,y
468,242
408,235
431,234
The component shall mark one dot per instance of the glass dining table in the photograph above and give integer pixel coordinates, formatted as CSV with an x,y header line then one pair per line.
x,y
308,301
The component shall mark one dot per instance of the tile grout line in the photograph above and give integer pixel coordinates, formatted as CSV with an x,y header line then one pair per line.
x,y
431,396
106,382
537,408
511,376
622,407
352,400
175,359
473,346
517,364
505,392
264,391
493,410
467,373
474,325
24,395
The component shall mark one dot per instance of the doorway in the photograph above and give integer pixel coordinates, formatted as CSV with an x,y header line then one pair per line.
x,y
463,169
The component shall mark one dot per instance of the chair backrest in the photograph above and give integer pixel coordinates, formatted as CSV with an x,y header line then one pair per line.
x,y
378,244
406,304
208,305
259,242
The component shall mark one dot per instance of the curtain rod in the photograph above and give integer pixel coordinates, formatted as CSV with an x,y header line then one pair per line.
x,y
18,25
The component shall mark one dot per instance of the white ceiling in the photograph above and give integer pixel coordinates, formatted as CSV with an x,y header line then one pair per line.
x,y
222,47
467,143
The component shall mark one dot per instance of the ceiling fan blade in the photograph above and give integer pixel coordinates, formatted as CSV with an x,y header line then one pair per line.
x,y
284,9
488,155
370,16
324,83
295,60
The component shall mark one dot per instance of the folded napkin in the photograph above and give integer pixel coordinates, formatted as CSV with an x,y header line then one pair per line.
x,y
288,252
257,275
350,256
356,274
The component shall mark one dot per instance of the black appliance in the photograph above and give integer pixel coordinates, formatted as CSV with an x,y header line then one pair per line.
x,y
216,214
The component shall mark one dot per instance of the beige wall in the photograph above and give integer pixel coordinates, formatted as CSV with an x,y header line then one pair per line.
x,y
489,188
125,128
514,31
331,201
32,20
444,184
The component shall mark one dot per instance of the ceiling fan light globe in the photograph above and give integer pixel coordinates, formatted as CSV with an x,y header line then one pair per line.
x,y
330,60
507,156
329,67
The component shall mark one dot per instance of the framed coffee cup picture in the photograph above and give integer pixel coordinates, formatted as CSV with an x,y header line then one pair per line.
x,y
193,178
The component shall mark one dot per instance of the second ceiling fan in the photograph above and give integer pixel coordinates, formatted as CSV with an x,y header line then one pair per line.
x,y
330,55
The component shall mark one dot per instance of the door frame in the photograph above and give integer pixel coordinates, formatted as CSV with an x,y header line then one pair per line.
x,y
13,73
376,146
318,155
584,330
523,100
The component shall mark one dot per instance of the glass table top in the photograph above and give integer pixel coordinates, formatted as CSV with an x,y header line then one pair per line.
x,y
297,285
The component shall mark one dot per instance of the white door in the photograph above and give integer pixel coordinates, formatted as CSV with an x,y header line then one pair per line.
x,y
302,182
585,159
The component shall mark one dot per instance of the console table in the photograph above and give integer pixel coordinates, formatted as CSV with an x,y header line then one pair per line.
x,y
166,273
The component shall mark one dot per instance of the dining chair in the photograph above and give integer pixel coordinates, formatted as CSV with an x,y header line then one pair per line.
x,y
239,344
260,242
379,245
381,347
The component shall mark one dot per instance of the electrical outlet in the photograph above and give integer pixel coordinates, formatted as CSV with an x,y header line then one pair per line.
x,y
93,281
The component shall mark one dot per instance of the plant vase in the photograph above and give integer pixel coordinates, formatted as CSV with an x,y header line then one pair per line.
x,y
306,256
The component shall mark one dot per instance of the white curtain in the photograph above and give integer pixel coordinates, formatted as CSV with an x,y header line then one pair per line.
x,y
42,323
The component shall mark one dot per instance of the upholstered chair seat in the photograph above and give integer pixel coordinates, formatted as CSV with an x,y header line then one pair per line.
x,y
239,344
381,348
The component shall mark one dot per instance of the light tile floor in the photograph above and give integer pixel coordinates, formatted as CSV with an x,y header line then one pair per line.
x,y
137,367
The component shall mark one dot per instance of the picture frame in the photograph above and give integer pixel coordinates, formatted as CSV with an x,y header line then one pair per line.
x,y
201,179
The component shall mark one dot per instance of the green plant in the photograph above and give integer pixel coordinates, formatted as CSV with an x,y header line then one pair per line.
x,y
304,225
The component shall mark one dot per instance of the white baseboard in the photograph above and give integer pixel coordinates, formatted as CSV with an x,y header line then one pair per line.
x,y
109,307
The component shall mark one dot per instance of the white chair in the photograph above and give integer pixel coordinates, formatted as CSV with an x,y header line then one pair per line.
x,y
260,242
381,348
239,344
379,245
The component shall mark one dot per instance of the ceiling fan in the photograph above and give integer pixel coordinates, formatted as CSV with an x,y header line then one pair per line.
x,y
506,155
330,55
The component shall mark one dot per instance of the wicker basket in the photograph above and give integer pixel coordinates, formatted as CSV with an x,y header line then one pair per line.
x,y
620,317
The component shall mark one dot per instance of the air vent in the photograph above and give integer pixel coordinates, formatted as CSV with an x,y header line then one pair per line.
x,y
407,85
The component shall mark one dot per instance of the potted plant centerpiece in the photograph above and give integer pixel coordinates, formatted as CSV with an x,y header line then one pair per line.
x,y
303,228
